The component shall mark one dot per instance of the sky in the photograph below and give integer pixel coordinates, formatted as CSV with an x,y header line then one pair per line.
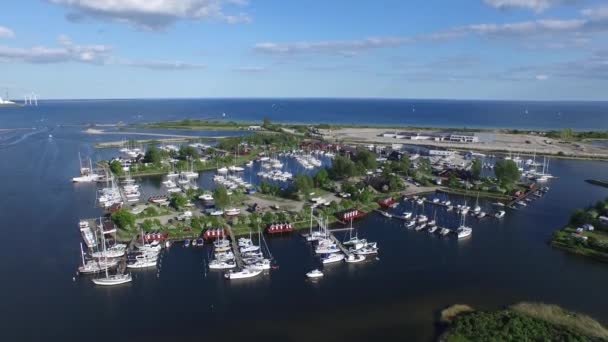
x,y
437,49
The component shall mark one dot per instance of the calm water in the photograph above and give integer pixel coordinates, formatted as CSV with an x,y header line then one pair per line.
x,y
396,296
444,113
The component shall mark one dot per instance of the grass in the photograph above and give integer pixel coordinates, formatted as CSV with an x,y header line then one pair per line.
x,y
564,240
556,315
520,322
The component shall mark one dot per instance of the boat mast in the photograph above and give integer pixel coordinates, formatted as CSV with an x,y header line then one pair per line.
x,y
82,254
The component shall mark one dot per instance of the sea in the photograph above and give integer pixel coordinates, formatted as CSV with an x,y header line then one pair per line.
x,y
394,296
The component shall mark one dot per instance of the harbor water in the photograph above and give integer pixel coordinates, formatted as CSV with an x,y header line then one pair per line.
x,y
395,295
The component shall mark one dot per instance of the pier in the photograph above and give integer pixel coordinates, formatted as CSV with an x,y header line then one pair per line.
x,y
235,248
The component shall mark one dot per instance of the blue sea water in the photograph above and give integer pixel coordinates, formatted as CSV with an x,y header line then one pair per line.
x,y
434,113
395,296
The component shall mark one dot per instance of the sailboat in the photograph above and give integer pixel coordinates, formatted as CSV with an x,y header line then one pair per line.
x,y
463,231
94,266
112,280
477,208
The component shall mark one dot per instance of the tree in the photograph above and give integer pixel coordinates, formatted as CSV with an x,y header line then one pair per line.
x,y
403,165
188,152
220,197
566,134
303,184
507,172
123,219
321,178
424,167
116,168
152,155
342,168
178,201
453,181
476,169
366,158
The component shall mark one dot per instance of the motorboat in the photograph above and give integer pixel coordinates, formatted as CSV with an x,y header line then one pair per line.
x,y
422,218
221,264
410,224
367,250
500,214
444,231
217,213
420,227
355,258
432,229
206,197
222,170
407,215
187,243
481,214
314,274
247,272
333,257
232,212
143,262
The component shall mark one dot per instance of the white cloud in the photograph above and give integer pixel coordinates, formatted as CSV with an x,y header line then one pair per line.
x,y
160,65
534,5
345,47
67,51
542,77
5,32
250,69
154,14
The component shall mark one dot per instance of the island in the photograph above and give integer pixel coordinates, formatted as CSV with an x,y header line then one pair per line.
x,y
519,322
587,232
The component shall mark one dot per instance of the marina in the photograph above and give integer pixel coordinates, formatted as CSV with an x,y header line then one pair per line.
x,y
500,249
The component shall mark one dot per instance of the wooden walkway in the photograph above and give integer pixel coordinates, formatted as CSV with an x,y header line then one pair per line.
x,y
235,248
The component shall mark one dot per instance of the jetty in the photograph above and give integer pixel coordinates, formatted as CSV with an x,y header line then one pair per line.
x,y
235,248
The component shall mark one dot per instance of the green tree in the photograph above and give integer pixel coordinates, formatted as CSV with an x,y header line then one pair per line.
x,y
403,165
566,134
476,169
188,152
424,167
220,197
342,168
453,181
321,178
116,168
507,172
366,158
152,155
178,201
123,219
303,184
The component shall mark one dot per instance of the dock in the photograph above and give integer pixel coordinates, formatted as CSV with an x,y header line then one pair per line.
x,y
339,244
235,248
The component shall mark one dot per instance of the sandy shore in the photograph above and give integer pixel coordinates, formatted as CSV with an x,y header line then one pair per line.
x,y
516,143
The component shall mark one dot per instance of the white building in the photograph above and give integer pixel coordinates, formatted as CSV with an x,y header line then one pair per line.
x,y
441,153
464,138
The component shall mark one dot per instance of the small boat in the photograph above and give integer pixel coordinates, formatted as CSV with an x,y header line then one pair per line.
x,y
143,262
333,257
206,197
222,170
435,200
221,265
216,213
355,258
247,272
500,214
407,215
187,243
200,242
481,214
498,204
167,244
410,224
432,229
386,214
522,203
232,212
421,227
194,243
314,274
463,232
444,231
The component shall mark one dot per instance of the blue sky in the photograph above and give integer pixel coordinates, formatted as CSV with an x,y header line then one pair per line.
x,y
465,49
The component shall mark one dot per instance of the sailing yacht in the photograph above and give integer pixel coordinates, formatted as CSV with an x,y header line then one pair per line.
x,y
463,231
111,280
